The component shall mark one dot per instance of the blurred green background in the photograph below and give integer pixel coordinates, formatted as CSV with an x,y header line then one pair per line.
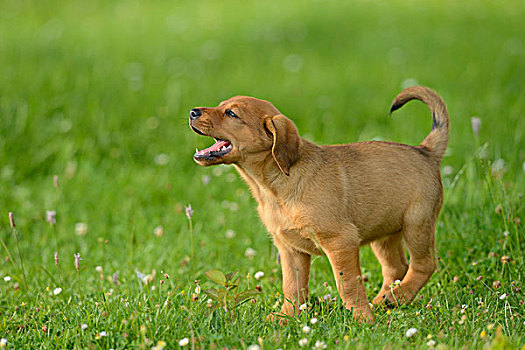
x,y
98,93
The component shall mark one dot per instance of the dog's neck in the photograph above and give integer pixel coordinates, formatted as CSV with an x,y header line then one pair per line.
x,y
263,175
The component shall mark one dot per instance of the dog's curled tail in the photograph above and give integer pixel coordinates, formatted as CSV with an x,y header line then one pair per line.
x,y
437,140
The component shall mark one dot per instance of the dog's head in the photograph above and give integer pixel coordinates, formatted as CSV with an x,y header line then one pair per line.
x,y
242,127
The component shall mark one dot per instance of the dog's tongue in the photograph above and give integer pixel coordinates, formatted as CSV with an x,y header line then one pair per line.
x,y
214,148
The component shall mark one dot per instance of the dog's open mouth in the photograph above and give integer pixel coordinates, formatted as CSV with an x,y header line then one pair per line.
x,y
219,149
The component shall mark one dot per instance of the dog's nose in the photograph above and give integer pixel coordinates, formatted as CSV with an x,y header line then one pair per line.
x,y
195,113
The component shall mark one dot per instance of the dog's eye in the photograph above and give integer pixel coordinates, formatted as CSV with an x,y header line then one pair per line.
x,y
230,113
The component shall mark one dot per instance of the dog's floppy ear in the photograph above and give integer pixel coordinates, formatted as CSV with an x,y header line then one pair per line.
x,y
285,149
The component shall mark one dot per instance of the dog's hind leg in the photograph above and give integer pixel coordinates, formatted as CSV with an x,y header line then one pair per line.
x,y
391,255
418,232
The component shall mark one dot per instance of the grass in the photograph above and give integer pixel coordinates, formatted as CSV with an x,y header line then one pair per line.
x,y
98,93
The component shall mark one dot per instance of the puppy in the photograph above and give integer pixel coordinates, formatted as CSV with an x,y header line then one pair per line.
x,y
334,199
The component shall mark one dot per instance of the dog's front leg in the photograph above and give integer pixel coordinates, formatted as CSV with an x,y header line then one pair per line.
x,y
343,253
296,270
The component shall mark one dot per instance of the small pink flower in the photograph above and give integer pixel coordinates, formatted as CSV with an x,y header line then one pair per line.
x,y
188,211
56,259
77,260
12,219
51,217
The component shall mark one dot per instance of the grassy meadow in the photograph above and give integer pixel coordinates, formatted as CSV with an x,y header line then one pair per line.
x,y
94,102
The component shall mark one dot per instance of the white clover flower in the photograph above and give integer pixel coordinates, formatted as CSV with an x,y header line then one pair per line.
x,y
230,233
206,179
431,342
313,320
258,275
102,334
99,269
306,329
162,159
303,342
158,231
320,345
250,253
302,307
57,291
254,347
503,296
198,289
83,326
411,332
7,278
81,228
184,342
448,170
498,165
476,124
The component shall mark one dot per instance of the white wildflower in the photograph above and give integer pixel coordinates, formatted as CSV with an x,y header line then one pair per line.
x,y
503,296
411,332
205,179
162,159
306,329
476,124
198,289
230,234
302,307
397,282
102,334
158,231
83,326
303,342
320,345
498,165
99,269
431,342
7,278
313,320
254,347
3,343
250,253
258,275
184,342
81,228
57,291
448,170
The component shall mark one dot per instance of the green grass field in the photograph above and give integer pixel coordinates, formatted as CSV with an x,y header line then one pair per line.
x,y
98,93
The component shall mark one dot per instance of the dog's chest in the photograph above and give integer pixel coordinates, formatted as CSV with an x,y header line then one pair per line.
x,y
288,225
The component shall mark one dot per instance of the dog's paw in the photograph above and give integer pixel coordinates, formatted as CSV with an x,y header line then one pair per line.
x,y
278,317
379,299
397,297
364,316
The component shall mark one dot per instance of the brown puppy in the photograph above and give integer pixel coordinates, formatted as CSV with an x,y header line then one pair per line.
x,y
333,199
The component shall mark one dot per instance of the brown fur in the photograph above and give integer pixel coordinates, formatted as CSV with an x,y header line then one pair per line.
x,y
333,199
